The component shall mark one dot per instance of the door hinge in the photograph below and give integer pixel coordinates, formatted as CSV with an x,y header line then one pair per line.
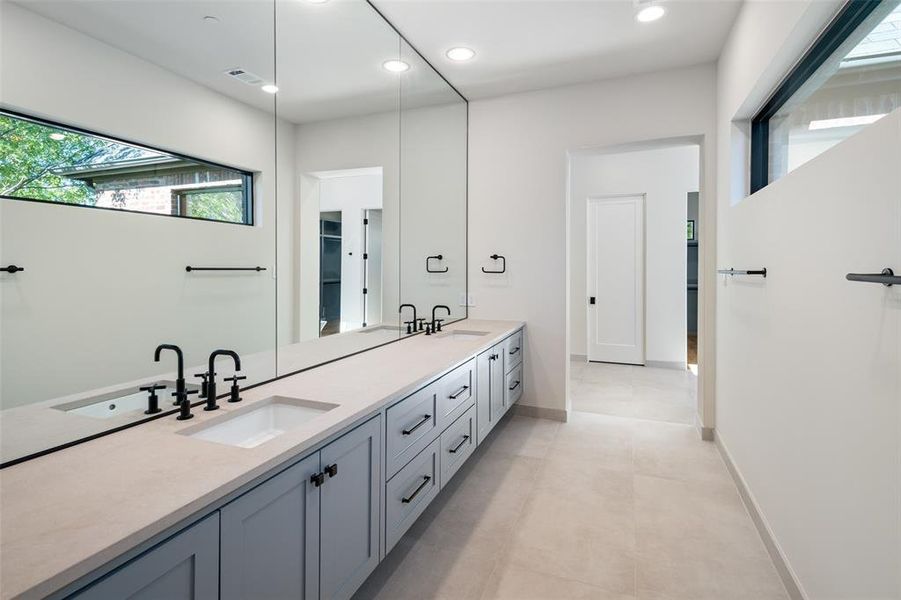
x,y
365,256
365,221
365,291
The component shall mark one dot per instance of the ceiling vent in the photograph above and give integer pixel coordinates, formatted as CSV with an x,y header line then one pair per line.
x,y
244,76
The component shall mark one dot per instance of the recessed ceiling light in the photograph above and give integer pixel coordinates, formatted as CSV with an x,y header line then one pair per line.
x,y
57,136
650,13
210,19
460,53
395,66
269,88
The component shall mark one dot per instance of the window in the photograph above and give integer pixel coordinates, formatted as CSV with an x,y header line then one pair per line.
x,y
48,162
849,78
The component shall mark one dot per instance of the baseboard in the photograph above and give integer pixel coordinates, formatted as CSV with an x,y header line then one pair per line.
x,y
578,357
666,364
789,579
707,434
540,412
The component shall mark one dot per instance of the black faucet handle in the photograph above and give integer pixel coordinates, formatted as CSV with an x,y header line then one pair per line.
x,y
204,375
186,393
236,378
152,388
409,325
438,323
184,404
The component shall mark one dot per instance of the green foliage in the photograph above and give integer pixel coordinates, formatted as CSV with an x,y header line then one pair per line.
x,y
219,205
31,159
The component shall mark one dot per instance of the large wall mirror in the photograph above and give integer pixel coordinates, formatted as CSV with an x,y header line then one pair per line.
x,y
275,177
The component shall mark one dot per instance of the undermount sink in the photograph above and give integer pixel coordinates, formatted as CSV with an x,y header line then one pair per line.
x,y
116,404
462,334
260,422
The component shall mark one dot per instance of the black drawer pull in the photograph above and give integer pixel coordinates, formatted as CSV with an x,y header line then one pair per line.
x,y
460,445
514,386
456,394
514,351
425,480
425,419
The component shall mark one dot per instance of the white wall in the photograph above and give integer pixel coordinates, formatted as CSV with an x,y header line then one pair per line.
x,y
808,364
101,288
517,197
665,176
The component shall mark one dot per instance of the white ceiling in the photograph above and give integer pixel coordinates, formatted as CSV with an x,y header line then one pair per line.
x,y
329,55
532,44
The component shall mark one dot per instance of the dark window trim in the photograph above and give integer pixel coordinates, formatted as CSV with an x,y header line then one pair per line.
x,y
247,177
848,19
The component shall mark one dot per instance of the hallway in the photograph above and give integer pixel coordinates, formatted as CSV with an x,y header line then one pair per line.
x,y
601,507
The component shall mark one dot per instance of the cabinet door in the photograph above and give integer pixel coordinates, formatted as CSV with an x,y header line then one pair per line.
x,y
483,394
498,397
186,566
270,538
349,511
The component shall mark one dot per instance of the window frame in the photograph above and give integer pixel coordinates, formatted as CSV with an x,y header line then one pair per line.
x,y
247,177
845,22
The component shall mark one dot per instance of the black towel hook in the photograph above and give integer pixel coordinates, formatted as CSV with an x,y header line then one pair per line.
x,y
503,264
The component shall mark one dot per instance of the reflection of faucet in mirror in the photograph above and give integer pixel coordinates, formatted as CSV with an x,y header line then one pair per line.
x,y
180,380
436,323
211,385
411,325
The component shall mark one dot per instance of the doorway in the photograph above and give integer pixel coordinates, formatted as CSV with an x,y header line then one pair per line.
x,y
616,250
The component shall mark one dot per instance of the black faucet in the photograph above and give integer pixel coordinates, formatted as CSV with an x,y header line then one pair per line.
x,y
408,323
436,323
184,404
180,380
153,405
211,384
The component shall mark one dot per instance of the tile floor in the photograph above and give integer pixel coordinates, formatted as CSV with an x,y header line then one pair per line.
x,y
601,507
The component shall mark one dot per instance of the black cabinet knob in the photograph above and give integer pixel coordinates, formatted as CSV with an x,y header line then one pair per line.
x,y
331,470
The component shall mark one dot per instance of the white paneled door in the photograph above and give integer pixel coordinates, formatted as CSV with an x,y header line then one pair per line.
x,y
616,279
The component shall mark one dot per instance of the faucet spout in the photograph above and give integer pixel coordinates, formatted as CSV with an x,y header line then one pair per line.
x,y
180,380
211,385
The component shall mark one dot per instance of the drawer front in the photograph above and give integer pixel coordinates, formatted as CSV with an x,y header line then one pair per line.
x,y
513,350
457,443
455,394
411,426
409,492
513,387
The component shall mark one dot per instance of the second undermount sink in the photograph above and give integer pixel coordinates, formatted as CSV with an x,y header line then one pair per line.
x,y
260,422
462,334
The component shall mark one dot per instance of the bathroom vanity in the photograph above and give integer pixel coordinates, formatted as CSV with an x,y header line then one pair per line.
x,y
298,491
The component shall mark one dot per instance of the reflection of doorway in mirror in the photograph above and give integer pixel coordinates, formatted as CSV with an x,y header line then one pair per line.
x,y
350,250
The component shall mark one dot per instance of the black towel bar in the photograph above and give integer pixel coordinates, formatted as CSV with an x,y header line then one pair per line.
x,y
190,268
12,269
887,277
761,272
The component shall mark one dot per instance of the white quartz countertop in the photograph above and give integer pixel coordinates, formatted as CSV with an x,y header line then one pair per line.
x,y
68,513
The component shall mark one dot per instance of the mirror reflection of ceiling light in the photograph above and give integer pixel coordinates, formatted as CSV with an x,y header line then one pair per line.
x,y
395,66
843,122
57,136
649,13
460,53
269,88
210,19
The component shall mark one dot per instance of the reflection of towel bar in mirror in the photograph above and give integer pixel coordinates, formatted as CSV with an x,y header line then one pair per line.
x,y
761,272
189,268
503,264
887,277
428,264
12,269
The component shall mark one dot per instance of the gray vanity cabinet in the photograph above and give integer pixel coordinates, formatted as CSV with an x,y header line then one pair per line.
x,y
490,400
184,567
291,538
270,538
349,511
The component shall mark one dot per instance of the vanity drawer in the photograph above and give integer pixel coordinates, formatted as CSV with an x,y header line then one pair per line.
x,y
411,426
513,351
457,442
455,394
409,492
513,386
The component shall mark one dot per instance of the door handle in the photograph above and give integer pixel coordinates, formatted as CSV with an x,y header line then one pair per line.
x,y
425,480
425,419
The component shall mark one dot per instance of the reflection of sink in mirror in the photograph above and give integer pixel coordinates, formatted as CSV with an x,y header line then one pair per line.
x,y
118,403
261,422
462,334
380,328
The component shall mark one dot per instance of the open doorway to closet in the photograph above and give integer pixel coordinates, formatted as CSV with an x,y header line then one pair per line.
x,y
634,240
